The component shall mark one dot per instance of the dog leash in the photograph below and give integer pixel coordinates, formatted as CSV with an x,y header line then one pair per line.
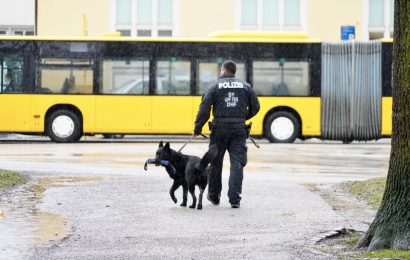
x,y
190,139
254,142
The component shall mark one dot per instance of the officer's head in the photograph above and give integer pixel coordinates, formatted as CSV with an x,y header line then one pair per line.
x,y
228,67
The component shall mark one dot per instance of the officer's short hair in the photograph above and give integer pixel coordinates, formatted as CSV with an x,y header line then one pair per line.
x,y
229,66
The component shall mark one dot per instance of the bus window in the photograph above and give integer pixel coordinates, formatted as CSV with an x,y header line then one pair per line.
x,y
173,77
208,72
125,77
65,76
11,69
281,78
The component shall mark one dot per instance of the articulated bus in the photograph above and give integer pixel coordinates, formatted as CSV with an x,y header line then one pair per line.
x,y
69,87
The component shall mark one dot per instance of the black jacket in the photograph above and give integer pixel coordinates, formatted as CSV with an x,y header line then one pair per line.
x,y
233,101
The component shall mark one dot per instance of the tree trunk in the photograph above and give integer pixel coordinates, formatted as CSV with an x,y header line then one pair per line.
x,y
391,227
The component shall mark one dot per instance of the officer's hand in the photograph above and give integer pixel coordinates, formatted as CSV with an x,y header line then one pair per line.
x,y
194,135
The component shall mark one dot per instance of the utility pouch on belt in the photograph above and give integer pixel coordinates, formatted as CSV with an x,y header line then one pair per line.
x,y
248,129
210,125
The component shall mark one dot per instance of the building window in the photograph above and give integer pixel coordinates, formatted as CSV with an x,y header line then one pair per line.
x,y
272,14
17,30
381,18
144,17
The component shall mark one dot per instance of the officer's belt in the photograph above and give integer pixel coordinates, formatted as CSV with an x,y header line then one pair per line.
x,y
215,125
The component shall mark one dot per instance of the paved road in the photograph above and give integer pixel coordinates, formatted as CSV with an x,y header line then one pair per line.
x,y
115,210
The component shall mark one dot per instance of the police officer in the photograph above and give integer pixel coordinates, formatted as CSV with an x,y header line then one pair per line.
x,y
233,101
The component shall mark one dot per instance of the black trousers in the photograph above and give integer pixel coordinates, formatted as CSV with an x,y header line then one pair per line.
x,y
233,140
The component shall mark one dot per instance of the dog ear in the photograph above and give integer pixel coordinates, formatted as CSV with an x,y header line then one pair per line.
x,y
166,147
161,144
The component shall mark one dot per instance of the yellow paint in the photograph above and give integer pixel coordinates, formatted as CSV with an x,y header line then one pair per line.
x,y
140,114
40,104
257,34
111,34
172,114
308,109
158,39
122,114
15,112
387,108
85,30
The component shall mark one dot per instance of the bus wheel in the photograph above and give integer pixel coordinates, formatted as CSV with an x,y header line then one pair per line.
x,y
64,126
282,127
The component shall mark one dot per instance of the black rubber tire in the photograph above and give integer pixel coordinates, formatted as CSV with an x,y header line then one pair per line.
x,y
267,127
77,131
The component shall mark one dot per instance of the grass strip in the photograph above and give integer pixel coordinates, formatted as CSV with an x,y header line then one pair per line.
x,y
395,254
9,179
370,191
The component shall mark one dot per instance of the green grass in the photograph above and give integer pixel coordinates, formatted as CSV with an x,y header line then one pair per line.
x,y
353,241
9,179
404,255
370,191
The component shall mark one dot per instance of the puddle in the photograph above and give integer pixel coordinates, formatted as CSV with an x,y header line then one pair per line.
x,y
50,227
23,227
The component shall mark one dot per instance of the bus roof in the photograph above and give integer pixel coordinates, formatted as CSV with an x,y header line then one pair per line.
x,y
218,37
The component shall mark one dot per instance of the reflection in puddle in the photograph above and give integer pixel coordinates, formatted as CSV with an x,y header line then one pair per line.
x,y
23,226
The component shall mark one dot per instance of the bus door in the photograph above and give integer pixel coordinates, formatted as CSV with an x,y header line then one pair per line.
x,y
124,104
172,103
14,105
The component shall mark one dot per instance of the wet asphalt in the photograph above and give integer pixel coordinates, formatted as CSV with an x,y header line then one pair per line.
x,y
116,210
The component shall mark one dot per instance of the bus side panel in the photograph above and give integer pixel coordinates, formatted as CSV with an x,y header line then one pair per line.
x,y
123,114
172,114
308,109
14,113
195,107
40,104
387,108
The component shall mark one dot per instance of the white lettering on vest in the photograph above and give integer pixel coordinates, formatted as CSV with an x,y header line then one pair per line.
x,y
231,100
233,84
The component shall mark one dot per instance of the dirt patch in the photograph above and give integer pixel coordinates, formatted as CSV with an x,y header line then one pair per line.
x,y
338,196
341,244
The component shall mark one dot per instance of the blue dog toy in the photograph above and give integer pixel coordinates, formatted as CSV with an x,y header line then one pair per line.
x,y
168,166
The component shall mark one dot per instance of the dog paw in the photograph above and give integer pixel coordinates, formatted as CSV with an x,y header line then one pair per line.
x,y
183,204
192,206
174,200
199,207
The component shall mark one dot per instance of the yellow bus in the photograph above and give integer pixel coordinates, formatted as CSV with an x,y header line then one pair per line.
x,y
69,87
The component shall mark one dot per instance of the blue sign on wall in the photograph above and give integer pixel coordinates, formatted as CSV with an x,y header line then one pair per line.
x,y
348,32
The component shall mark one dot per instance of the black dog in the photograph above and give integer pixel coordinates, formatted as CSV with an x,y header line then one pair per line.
x,y
189,171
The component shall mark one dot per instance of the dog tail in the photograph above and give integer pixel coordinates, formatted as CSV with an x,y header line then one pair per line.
x,y
209,156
